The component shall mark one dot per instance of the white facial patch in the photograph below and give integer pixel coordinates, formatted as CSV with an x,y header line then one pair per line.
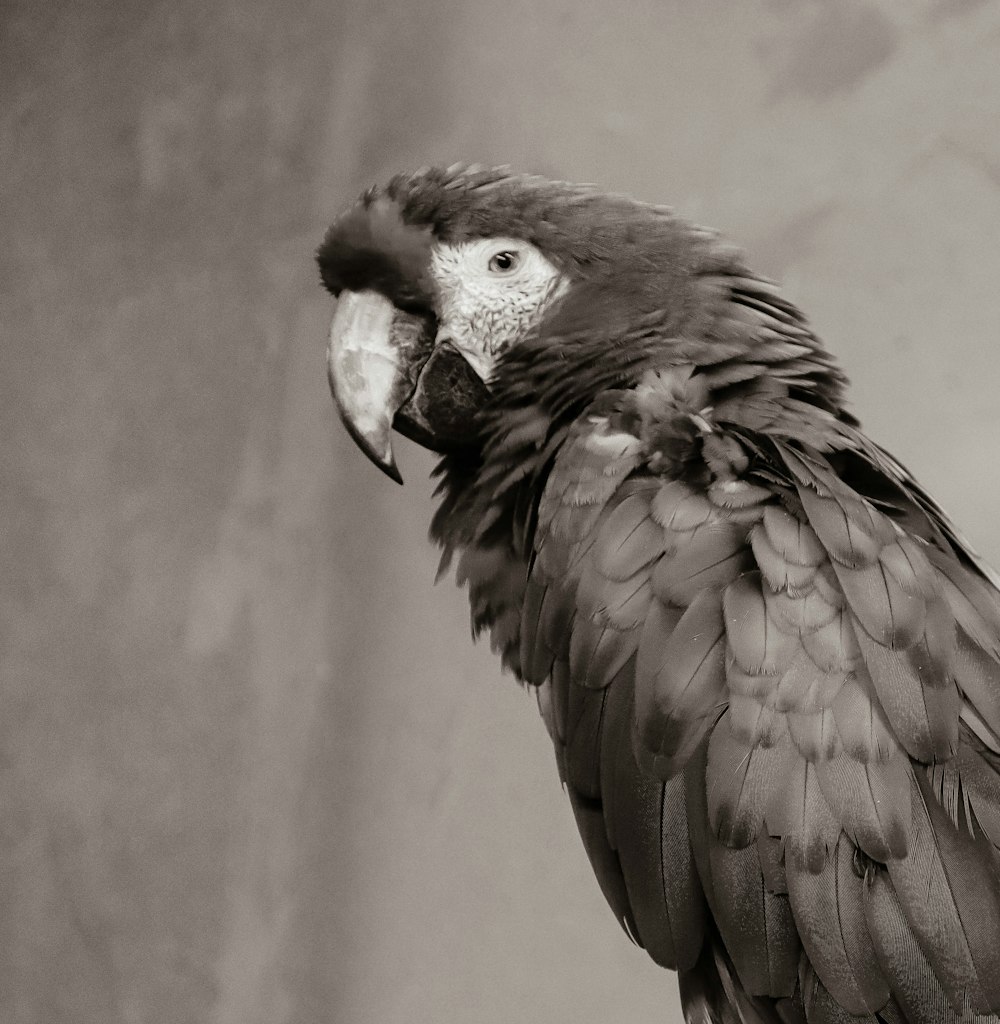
x,y
492,292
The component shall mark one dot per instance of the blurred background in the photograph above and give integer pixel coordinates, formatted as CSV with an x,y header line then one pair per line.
x,y
252,769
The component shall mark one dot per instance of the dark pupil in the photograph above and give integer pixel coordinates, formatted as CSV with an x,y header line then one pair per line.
x,y
503,261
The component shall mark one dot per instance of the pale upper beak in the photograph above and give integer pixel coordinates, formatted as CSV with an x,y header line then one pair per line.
x,y
387,371
374,356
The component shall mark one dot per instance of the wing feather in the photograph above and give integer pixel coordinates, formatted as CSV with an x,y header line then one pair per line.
x,y
915,982
829,911
771,701
946,891
598,650
655,851
680,678
755,924
585,712
628,540
739,782
589,816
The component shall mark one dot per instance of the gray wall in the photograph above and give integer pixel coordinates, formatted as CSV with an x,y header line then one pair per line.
x,y
253,772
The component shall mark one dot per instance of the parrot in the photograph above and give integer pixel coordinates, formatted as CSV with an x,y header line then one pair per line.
x,y
767,659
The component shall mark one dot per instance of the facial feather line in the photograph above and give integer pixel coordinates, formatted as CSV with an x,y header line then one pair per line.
x,y
492,292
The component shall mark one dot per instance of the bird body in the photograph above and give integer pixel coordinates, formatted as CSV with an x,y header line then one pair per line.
x,y
768,662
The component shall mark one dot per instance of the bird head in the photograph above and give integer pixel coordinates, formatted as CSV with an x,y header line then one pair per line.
x,y
457,284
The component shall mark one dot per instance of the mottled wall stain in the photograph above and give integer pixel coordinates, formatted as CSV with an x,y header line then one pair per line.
x,y
781,250
954,8
832,48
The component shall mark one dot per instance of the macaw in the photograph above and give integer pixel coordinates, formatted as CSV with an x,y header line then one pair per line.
x,y
767,659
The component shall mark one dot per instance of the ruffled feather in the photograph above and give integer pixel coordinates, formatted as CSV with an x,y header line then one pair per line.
x,y
829,912
736,687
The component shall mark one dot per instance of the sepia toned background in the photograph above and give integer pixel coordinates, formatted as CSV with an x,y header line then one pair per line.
x,y
252,770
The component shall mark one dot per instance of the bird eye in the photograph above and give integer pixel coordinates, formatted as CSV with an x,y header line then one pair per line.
x,y
504,262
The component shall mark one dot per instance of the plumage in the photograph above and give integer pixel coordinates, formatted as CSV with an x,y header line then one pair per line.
x,y
711,993
628,540
829,911
971,600
968,788
584,721
799,813
779,572
804,686
589,816
768,662
888,613
678,508
622,603
739,783
870,799
977,676
757,644
657,861
711,556
755,924
948,894
794,540
924,717
861,720
805,612
815,734
680,678
915,982
534,657
598,650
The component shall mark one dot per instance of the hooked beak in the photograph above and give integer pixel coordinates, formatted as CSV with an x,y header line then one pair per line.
x,y
386,372
375,353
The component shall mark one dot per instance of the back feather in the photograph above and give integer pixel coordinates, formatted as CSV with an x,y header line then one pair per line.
x,y
780,707
769,664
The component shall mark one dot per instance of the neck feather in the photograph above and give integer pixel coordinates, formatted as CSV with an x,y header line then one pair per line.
x,y
731,332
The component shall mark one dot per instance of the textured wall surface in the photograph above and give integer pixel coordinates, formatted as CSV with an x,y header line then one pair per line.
x,y
252,770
